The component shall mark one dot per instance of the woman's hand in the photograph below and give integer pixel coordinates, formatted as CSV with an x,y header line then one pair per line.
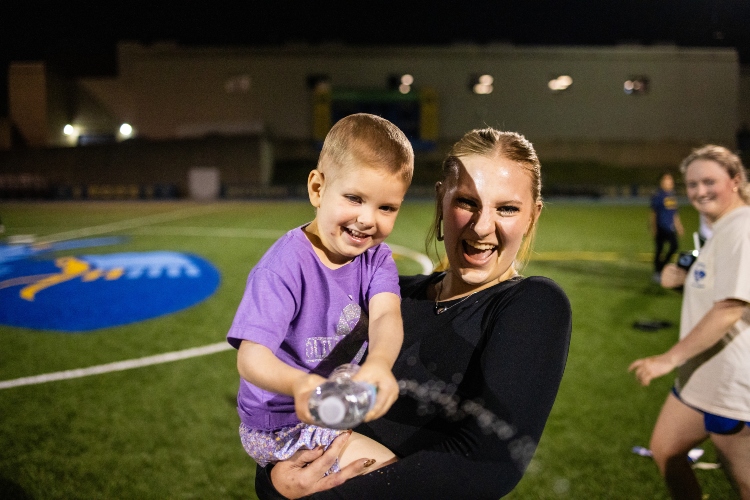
x,y
302,388
378,373
647,369
302,474
673,276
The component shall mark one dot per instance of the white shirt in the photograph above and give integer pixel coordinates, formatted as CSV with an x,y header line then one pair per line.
x,y
718,380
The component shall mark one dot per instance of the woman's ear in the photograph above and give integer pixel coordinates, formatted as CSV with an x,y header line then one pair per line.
x,y
536,212
737,181
315,186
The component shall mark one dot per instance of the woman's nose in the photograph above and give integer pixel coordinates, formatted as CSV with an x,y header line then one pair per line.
x,y
483,224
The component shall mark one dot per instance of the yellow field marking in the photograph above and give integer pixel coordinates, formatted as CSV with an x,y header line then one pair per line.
x,y
591,256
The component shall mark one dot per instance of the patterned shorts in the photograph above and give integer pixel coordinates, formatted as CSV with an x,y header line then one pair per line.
x,y
273,446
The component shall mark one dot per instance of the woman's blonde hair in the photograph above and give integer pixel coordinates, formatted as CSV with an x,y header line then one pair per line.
x,y
727,160
490,143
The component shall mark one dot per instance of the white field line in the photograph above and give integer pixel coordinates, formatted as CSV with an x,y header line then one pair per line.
x,y
112,227
117,366
420,258
211,232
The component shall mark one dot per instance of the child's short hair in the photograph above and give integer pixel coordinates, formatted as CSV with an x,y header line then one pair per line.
x,y
371,140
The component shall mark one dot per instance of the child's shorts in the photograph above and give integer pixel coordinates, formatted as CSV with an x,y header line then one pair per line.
x,y
274,446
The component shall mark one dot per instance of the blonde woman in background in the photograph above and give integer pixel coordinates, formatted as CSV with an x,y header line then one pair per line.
x,y
711,396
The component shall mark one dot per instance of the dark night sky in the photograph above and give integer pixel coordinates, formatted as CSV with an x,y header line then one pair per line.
x,y
79,39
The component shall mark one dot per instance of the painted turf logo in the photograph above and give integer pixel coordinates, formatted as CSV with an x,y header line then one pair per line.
x,y
82,293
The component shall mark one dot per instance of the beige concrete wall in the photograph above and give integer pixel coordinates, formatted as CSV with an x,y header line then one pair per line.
x,y
28,106
637,153
744,96
5,134
239,160
693,92
166,91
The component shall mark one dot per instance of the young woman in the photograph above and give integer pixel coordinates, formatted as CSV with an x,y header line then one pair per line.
x,y
711,396
484,348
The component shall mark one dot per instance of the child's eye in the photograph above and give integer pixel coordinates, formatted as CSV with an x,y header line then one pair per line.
x,y
389,209
352,198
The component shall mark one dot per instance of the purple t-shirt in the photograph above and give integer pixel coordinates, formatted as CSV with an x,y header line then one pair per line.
x,y
300,309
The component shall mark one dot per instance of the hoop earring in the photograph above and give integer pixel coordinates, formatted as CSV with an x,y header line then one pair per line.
x,y
439,230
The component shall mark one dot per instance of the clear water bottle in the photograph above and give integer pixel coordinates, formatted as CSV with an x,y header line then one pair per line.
x,y
340,402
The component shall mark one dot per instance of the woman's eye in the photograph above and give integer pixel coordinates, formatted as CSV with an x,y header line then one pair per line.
x,y
508,210
465,203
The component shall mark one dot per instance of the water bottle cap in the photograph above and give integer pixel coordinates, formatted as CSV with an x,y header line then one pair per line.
x,y
331,410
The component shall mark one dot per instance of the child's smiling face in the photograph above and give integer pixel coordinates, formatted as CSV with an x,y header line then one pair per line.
x,y
356,210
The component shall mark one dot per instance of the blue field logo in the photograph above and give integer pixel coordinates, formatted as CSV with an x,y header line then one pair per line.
x,y
88,292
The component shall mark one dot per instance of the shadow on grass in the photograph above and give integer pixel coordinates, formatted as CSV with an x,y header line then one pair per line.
x,y
11,490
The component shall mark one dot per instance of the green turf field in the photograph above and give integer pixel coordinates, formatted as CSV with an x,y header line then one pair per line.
x,y
170,430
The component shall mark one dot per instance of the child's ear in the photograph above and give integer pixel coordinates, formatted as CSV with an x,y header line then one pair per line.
x,y
315,184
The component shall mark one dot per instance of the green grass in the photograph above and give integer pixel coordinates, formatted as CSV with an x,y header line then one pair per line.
x,y
170,431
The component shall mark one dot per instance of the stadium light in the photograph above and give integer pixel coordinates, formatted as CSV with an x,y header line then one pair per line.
x,y
636,85
401,83
126,130
562,82
482,84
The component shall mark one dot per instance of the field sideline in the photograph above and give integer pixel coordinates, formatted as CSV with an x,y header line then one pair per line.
x,y
168,430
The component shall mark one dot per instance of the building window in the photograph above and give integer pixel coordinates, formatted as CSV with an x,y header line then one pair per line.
x,y
319,82
402,83
481,84
636,85
560,83
239,84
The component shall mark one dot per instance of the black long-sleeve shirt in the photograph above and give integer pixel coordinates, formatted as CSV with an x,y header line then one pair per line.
x,y
478,383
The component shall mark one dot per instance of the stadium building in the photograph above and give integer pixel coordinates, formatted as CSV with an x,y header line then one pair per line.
x,y
238,118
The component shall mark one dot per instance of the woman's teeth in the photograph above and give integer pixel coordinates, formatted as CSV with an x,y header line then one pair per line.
x,y
480,246
474,248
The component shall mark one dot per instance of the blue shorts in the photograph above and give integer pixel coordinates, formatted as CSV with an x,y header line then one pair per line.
x,y
714,423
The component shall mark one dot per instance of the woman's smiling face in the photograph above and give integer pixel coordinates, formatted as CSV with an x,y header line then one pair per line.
x,y
487,211
710,189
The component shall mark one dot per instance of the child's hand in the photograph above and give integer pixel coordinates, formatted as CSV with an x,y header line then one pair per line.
x,y
302,388
378,373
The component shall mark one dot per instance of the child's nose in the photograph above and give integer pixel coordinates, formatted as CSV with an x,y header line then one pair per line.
x,y
366,217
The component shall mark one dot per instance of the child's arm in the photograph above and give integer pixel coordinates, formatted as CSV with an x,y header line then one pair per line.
x,y
386,334
259,366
